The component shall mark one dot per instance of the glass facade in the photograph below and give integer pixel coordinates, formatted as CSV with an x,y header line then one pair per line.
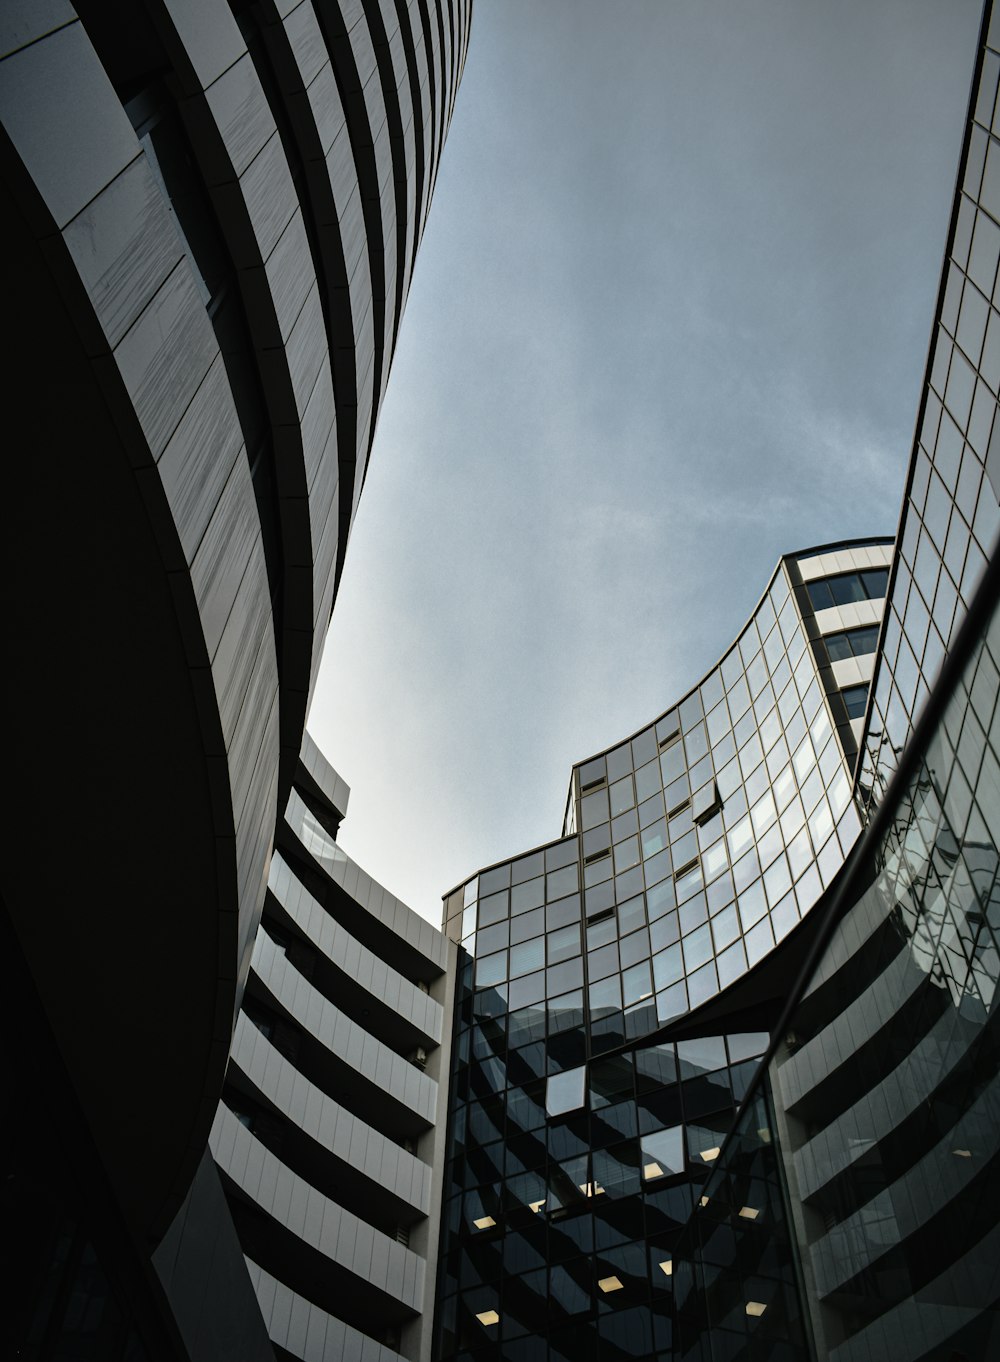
x,y
870,1150
950,514
580,1136
697,845
853,1211
567,1191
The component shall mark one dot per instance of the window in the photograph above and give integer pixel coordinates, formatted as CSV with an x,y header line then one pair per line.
x,y
851,643
876,583
855,698
565,1091
662,1153
848,587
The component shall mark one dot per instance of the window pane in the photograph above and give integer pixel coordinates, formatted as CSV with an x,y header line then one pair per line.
x,y
819,595
564,944
855,698
565,1091
663,1153
528,956
847,589
864,641
876,583
838,646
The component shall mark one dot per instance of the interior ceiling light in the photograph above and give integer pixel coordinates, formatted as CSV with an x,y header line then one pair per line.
x,y
591,1189
609,1284
667,1267
703,1201
749,1212
765,1135
652,1170
755,1307
536,1206
710,1155
485,1222
491,1317
963,1153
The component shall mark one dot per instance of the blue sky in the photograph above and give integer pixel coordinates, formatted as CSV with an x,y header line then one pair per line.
x,y
669,321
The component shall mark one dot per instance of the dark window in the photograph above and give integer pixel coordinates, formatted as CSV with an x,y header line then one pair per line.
x,y
819,595
855,698
848,587
876,583
851,643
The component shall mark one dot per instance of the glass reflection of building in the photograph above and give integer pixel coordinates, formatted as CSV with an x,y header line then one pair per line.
x,y
870,1139
581,1135
777,867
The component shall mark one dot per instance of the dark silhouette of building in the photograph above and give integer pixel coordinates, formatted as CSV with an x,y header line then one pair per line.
x,y
211,216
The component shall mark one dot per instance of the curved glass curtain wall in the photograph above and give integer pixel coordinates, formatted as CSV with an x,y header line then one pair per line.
x,y
854,1208
699,844
577,1149
559,1232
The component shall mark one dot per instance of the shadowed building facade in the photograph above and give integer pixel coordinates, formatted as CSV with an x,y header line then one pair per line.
x,y
211,217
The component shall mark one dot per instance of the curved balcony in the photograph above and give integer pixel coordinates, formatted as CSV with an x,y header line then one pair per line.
x,y
415,48
293,56
349,43
306,1331
385,1183
385,923
320,780
402,1014
914,1328
857,1025
244,165
131,443
388,47
910,1202
334,1257
342,1056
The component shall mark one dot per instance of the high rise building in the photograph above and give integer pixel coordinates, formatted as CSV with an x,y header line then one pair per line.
x,y
712,1074
626,977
